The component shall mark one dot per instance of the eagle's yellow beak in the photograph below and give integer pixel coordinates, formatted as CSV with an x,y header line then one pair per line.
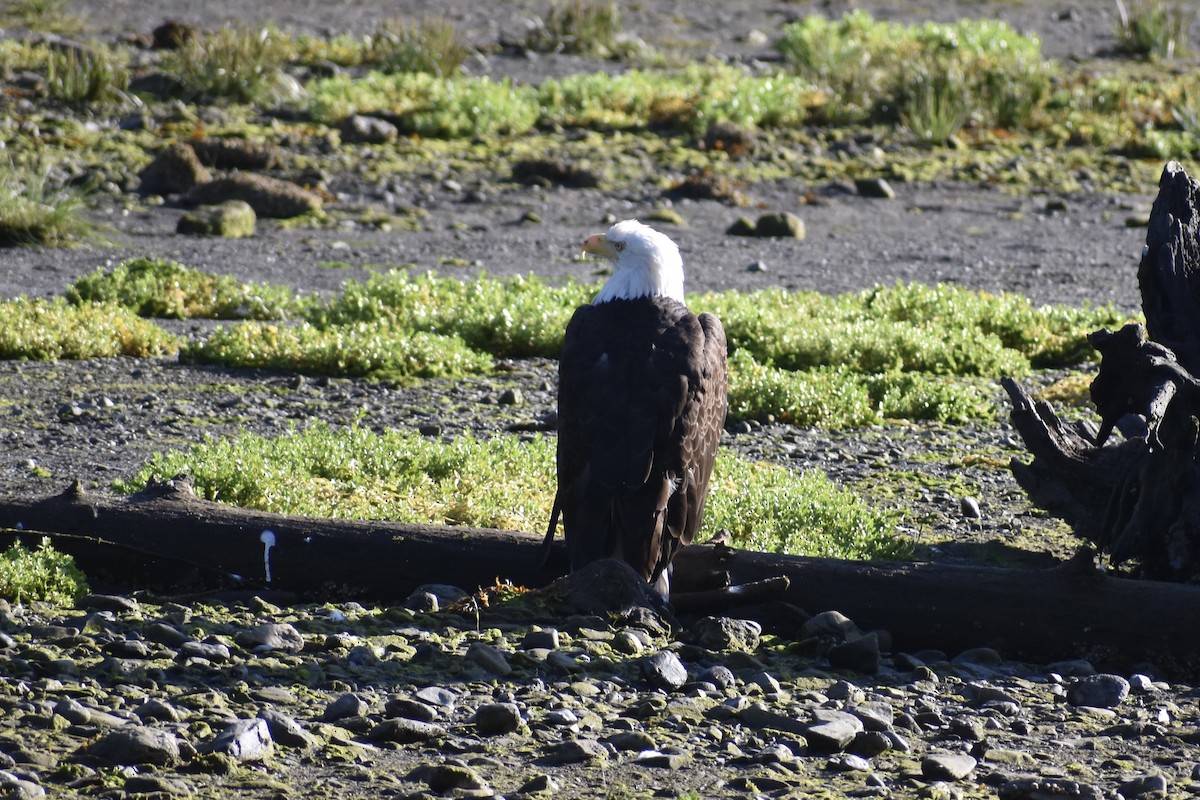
x,y
597,245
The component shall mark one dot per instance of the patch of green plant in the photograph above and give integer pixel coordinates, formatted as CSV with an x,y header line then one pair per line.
x,y
579,27
510,318
43,574
378,349
239,64
167,289
430,45
93,76
40,15
51,329
428,105
1152,28
931,73
503,482
32,212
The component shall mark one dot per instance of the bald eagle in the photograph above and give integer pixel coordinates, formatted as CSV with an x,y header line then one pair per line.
x,y
641,404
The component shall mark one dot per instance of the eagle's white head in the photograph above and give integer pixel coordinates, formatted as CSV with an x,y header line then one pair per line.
x,y
645,262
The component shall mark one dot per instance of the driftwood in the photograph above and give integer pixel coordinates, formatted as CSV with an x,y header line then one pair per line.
x,y
167,538
1137,499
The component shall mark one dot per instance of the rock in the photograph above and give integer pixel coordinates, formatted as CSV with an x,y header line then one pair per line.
x,y
269,197
757,716
245,740
137,745
446,778
362,129
947,766
730,138
554,172
173,171
155,709
172,35
128,648
718,675
757,266
874,187
830,624
1144,785
783,225
346,705
166,634
607,586
667,215
511,397
285,730
1098,691
1048,788
744,226
726,633
108,602
215,652
15,788
661,760
405,731
664,670
545,639
632,741
831,730
848,762
969,508
861,654
869,744
497,718
236,153
233,219
576,751
490,658
409,709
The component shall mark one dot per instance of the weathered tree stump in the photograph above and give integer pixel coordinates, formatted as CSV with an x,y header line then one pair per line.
x,y
1137,499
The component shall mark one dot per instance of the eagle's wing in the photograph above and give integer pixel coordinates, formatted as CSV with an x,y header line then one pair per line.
x,y
641,406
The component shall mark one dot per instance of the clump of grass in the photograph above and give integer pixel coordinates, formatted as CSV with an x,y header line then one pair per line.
x,y
376,349
926,75
34,213
238,63
93,76
501,483
43,574
40,15
48,330
1152,28
167,289
512,318
430,45
580,27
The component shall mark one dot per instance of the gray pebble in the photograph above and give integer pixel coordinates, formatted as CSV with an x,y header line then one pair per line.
x,y
245,740
18,788
546,638
155,709
848,762
271,636
497,718
947,766
409,709
215,652
490,658
577,751
138,745
634,741
1098,691
405,730
346,705
285,730
860,655
970,508
1144,785
718,675
831,730
726,633
664,670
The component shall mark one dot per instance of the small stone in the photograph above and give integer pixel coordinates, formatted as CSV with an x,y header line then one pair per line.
x,y
215,652
726,633
1098,691
947,766
861,654
245,740
137,746
269,197
756,266
1056,205
271,636
577,751
497,718
445,778
174,170
545,639
128,648
532,217
848,762
511,397
758,716
874,187
363,129
661,760
158,785
347,705
632,741
667,215
869,744
784,224
405,731
409,709
970,508
664,670
15,788
155,709
437,696
233,219
831,730
832,624
744,226
108,602
285,730
719,676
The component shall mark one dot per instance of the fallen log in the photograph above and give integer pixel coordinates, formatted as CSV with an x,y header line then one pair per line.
x,y
166,537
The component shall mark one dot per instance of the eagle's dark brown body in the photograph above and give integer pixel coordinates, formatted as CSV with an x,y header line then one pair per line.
x,y
641,404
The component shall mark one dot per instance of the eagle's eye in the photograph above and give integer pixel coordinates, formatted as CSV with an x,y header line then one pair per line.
x,y
618,246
